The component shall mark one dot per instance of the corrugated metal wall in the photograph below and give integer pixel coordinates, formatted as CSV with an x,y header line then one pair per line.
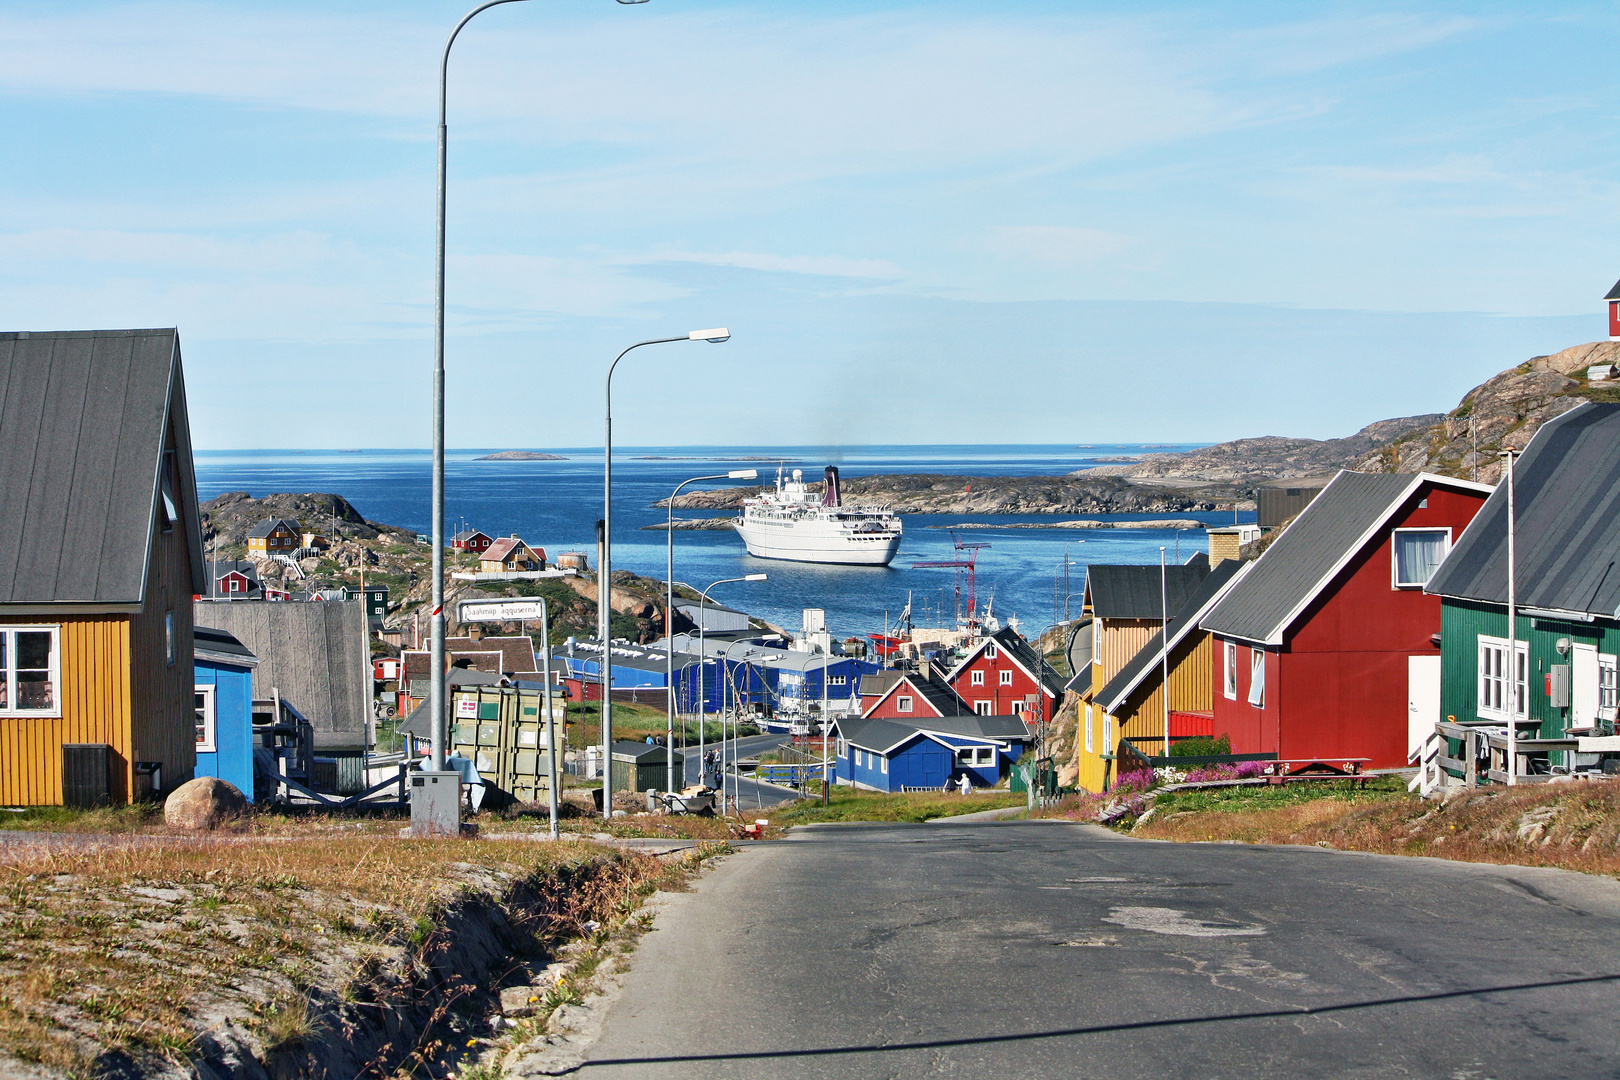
x,y
95,709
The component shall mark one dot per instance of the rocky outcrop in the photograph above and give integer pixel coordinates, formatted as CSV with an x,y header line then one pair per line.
x,y
925,493
230,516
693,525
520,455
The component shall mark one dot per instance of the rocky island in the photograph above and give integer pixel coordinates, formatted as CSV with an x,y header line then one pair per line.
x,y
520,455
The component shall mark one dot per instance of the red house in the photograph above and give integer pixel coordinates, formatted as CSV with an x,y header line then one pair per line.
x,y
471,540
1327,641
915,695
1004,676
1614,312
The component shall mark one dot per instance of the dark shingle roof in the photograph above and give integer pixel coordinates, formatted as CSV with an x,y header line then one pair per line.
x,y
1132,592
1614,293
268,526
937,692
1307,555
881,734
1145,665
1567,535
83,418
211,644
1022,651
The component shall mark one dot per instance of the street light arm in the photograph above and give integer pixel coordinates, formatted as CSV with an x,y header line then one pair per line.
x,y
444,64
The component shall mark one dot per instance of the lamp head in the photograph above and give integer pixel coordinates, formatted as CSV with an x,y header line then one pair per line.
x,y
632,1
743,474
719,333
755,577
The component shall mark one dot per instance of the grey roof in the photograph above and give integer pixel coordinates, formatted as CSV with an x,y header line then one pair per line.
x,y
883,734
639,752
1614,293
268,525
937,692
218,568
1307,555
316,655
221,648
878,683
1132,592
1145,665
1011,641
84,418
1567,508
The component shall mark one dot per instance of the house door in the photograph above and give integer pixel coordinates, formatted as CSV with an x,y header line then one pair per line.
x,y
1422,701
1583,686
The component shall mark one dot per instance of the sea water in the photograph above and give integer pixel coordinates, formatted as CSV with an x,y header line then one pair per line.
x,y
555,505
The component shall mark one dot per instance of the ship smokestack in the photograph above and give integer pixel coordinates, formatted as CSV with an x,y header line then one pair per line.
x,y
832,496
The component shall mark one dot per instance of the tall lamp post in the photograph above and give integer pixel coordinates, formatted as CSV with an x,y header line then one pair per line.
x,y
703,660
604,570
436,618
669,611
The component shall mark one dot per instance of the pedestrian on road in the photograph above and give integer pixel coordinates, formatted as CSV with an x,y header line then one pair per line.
x,y
950,785
967,785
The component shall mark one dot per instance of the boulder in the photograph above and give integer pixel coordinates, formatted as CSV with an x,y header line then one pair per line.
x,y
520,1000
203,803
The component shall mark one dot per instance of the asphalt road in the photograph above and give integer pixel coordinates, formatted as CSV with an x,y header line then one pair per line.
x,y
750,794
1053,950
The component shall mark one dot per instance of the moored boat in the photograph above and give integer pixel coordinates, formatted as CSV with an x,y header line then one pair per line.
x,y
796,524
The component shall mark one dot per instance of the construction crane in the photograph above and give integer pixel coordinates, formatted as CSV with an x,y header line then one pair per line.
x,y
967,554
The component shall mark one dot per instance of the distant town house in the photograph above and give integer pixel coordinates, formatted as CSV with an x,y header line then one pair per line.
x,y
234,579
471,540
511,555
916,695
274,536
1003,675
893,755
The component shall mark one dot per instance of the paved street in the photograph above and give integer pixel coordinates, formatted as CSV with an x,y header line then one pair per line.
x,y
750,795
1054,950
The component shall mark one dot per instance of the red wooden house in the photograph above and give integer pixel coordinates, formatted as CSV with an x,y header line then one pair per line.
x,y
1322,648
1613,300
471,540
1003,675
915,695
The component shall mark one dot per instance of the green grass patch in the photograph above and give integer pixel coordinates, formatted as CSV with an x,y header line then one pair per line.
x,y
107,819
847,805
1267,796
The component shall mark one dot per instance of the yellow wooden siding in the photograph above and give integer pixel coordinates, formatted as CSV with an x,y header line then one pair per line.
x,y
94,694
1120,640
1191,690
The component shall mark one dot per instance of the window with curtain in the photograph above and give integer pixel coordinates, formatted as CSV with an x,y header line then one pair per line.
x,y
1230,653
1418,553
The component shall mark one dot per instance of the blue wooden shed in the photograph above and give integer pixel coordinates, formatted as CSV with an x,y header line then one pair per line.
x,y
223,700
895,755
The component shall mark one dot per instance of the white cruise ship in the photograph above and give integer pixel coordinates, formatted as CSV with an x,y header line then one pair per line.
x,y
796,524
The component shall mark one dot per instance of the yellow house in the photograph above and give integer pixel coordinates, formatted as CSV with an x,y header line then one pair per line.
x,y
510,554
274,536
1132,704
101,561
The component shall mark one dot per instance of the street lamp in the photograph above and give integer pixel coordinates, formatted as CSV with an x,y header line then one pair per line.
x,y
703,659
436,618
669,610
604,570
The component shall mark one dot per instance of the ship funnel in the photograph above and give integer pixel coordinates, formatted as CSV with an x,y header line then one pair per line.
x,y
832,496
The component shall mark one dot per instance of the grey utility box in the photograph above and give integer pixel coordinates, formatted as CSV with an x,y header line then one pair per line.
x,y
436,804
1558,686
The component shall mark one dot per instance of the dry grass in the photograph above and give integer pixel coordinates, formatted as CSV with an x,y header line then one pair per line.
x,y
1572,826
136,944
846,805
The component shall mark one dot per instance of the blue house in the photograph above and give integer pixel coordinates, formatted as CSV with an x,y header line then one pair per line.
x,y
896,755
223,699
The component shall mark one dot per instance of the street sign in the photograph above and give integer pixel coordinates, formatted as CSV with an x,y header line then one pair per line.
x,y
499,610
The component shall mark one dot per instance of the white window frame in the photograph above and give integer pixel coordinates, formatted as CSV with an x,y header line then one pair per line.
x,y
990,651
210,720
976,678
1493,685
964,755
1229,655
1257,678
903,703
984,707
1395,554
883,766
837,680
843,747
1006,677
1091,747
1108,733
8,673
1608,685
985,755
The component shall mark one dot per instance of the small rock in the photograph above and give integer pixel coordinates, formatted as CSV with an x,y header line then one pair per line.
x,y
519,1000
203,803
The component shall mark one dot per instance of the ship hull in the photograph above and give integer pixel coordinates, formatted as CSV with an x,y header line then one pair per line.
x,y
803,542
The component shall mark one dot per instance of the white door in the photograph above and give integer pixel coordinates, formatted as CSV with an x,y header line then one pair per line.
x,y
1583,686
1422,701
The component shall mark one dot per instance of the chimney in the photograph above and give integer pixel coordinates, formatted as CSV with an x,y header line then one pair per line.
x,y
475,631
832,496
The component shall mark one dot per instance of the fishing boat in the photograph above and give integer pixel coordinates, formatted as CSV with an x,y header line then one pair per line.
x,y
799,525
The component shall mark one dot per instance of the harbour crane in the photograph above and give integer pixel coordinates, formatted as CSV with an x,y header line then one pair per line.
x,y
967,554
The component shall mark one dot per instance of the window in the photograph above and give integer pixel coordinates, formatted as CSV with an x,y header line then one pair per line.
x,y
1608,692
843,747
1108,734
985,708
837,680
987,755
1229,650
1018,708
902,703
990,651
964,755
29,671
883,766
1090,745
1418,553
169,644
202,703
235,585
860,758
977,679
1500,689
1006,677
1257,678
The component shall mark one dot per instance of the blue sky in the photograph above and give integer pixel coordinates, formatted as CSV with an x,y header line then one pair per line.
x,y
940,222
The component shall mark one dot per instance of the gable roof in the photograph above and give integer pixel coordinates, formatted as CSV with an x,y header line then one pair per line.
x,y
1305,558
517,653
85,417
1567,515
882,735
1132,592
879,682
468,534
503,549
218,568
1020,652
1614,293
221,648
940,695
268,525
1145,666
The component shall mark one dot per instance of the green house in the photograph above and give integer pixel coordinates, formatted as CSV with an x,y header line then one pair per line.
x,y
1561,688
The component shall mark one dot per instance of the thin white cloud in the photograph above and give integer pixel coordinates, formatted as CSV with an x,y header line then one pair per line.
x,y
1055,244
817,265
